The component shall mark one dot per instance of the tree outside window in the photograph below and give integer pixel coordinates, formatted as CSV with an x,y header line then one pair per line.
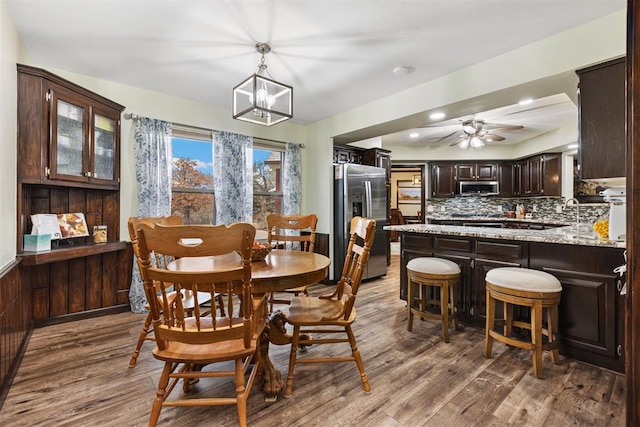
x,y
192,181
267,184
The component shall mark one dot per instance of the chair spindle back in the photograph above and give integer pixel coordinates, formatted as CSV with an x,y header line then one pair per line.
x,y
284,231
229,274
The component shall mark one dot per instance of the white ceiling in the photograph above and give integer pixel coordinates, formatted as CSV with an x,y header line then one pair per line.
x,y
337,55
541,116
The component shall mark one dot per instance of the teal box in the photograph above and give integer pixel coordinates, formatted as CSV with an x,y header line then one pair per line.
x,y
37,243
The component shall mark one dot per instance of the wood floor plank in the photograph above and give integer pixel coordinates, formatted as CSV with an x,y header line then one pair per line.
x,y
77,374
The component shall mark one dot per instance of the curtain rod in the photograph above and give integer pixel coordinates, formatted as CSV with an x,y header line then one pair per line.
x,y
133,116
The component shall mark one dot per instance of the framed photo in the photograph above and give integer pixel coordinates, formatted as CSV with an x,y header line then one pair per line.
x,y
408,193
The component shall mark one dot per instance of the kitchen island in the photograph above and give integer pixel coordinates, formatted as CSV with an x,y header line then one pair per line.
x,y
591,314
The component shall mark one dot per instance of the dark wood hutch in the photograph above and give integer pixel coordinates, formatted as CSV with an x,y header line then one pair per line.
x,y
69,161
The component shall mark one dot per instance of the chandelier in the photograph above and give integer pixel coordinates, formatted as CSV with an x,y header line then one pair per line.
x,y
260,99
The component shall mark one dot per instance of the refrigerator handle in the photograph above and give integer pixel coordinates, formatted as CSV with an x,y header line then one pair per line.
x,y
367,191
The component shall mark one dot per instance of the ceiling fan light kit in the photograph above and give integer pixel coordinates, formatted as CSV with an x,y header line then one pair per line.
x,y
260,99
475,135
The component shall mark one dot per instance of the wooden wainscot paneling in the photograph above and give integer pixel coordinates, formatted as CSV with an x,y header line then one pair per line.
x,y
14,324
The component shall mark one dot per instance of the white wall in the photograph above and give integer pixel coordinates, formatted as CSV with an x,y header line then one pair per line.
x,y
575,48
178,110
9,55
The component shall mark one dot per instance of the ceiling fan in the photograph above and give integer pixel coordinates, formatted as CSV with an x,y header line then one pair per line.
x,y
476,133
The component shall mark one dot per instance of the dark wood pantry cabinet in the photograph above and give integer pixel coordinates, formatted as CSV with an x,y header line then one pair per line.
x,y
69,161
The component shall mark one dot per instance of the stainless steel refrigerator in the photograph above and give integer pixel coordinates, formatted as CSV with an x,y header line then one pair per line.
x,y
360,190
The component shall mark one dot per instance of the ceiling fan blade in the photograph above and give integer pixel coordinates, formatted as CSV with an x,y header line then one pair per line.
x,y
533,109
504,128
492,137
442,138
457,142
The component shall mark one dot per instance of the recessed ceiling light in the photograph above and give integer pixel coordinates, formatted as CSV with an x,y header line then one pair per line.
x,y
526,101
401,70
414,135
436,116
572,146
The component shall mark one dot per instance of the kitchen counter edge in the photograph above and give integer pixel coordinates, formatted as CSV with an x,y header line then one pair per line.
x,y
561,235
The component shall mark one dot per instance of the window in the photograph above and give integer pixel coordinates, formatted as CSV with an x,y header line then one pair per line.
x,y
267,181
192,177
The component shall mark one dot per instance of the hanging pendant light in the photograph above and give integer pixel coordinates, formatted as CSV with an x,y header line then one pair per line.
x,y
260,99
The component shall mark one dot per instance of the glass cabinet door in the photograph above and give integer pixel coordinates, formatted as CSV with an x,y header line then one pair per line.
x,y
104,148
70,139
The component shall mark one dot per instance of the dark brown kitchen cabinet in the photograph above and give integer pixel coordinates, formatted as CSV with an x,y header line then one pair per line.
x,y
537,176
380,158
489,254
70,136
505,179
413,246
477,172
69,161
591,324
521,186
346,155
601,101
589,319
443,179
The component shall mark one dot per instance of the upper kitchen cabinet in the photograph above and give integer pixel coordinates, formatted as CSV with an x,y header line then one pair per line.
x,y
67,135
342,154
537,176
477,172
443,179
378,157
601,96
505,179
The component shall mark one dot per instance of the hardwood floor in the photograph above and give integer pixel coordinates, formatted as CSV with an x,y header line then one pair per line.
x,y
76,374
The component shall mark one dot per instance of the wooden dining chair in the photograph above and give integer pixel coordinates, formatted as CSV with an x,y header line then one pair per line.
x,y
332,314
286,232
146,334
186,343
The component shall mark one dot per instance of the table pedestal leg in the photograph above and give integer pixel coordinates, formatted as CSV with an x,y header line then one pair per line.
x,y
269,378
279,335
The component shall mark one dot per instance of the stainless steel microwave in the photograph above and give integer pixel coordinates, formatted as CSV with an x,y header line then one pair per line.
x,y
479,188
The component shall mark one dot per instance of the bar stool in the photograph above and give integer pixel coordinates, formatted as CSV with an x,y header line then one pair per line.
x,y
524,287
425,272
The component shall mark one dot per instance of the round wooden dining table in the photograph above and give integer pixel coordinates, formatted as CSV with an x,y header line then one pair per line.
x,y
280,270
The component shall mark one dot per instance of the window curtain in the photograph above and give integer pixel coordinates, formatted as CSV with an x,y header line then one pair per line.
x,y
152,150
292,179
233,177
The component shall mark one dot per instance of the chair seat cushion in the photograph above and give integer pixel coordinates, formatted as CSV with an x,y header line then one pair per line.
x,y
433,265
311,310
523,279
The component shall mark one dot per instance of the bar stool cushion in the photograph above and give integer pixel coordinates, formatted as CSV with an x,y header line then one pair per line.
x,y
433,265
523,279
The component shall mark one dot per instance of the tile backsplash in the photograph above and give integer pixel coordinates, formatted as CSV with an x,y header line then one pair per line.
x,y
542,208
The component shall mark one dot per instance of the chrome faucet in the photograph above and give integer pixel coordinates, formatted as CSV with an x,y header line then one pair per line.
x,y
577,205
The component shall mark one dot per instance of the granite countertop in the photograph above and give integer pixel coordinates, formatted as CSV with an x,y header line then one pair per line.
x,y
567,235
536,220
